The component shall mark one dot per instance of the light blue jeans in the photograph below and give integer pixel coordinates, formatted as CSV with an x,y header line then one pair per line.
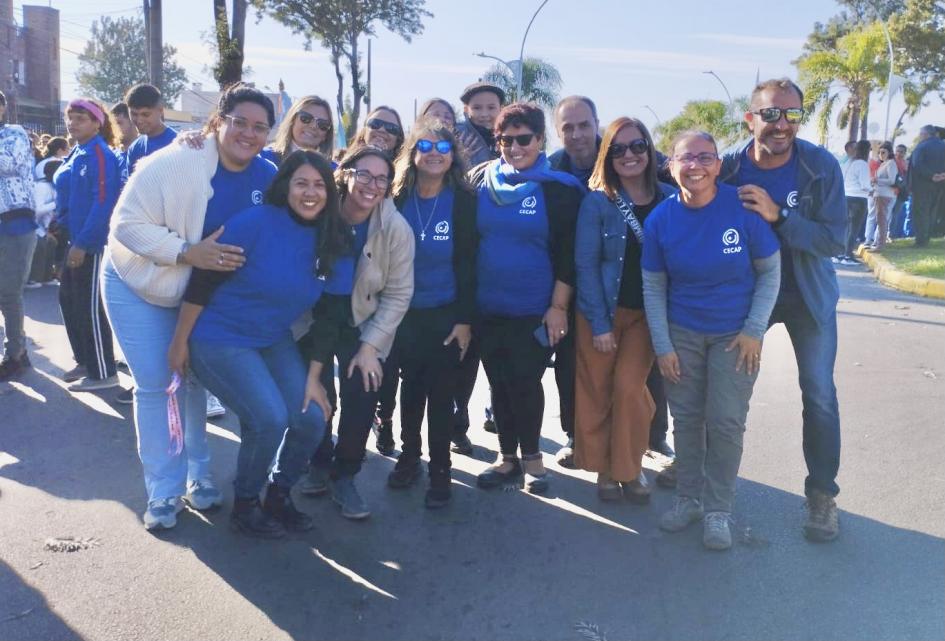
x,y
144,332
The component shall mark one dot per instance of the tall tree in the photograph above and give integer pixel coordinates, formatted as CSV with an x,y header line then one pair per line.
x,y
712,116
230,42
114,59
338,24
541,82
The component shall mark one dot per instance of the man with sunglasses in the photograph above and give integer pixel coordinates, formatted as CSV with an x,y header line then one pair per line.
x,y
797,187
481,104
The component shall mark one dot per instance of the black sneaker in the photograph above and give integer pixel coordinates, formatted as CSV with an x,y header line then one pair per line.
x,y
75,374
462,445
249,518
278,505
405,473
494,477
125,396
12,367
439,493
384,433
489,424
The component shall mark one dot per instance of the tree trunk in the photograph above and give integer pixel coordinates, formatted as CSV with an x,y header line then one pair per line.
x,y
356,91
336,60
854,119
229,69
902,117
864,119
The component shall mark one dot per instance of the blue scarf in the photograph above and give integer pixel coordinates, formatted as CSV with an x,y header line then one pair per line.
x,y
507,185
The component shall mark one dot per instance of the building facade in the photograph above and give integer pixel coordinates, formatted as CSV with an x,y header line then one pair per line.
x,y
30,66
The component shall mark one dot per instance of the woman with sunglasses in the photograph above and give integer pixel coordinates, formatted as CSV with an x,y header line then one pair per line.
x,y
356,319
168,220
525,277
430,189
711,275
307,125
613,409
382,129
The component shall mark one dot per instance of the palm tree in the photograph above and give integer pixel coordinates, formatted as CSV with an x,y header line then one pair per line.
x,y
858,65
712,116
541,82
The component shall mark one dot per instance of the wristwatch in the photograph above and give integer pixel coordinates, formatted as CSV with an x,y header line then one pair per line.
x,y
782,216
180,255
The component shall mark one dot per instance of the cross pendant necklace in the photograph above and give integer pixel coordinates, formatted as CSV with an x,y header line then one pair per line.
x,y
423,226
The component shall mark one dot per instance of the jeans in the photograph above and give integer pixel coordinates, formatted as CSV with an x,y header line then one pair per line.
x,y
815,348
144,332
856,212
265,387
16,257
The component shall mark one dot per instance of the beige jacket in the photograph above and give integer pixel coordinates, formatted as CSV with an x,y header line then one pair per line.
x,y
383,279
163,204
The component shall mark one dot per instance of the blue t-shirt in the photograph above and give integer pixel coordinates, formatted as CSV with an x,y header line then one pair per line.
x,y
257,305
707,255
514,269
434,281
341,281
234,191
147,145
781,185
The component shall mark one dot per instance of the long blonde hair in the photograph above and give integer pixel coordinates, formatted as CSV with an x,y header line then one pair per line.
x,y
282,144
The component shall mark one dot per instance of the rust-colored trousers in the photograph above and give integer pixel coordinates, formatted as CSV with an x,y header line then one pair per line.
x,y
613,407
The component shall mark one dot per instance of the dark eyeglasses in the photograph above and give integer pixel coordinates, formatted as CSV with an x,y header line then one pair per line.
x,y
793,115
705,158
306,119
389,127
523,140
619,150
425,146
364,177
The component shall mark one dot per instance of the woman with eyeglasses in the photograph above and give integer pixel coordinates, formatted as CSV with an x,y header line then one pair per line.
x,y
525,277
711,274
356,320
431,191
613,408
307,125
382,129
168,220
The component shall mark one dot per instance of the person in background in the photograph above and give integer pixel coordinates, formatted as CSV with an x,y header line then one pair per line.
x,y
897,225
356,320
884,194
235,329
382,129
127,132
87,186
17,239
307,125
525,279
168,220
440,109
857,188
43,271
146,106
430,189
482,102
926,183
56,149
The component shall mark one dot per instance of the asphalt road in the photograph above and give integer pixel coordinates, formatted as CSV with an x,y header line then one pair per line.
x,y
496,565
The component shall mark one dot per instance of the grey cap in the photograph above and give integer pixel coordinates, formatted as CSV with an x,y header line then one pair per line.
x,y
479,87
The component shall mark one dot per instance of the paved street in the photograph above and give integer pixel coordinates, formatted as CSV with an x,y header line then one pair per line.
x,y
496,565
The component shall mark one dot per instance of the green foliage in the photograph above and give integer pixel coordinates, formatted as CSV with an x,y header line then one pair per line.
x,y
541,82
712,116
114,59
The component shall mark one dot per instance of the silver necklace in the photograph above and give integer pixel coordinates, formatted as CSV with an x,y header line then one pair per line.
x,y
416,206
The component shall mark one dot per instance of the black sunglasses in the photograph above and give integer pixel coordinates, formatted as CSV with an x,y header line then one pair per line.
x,y
389,127
523,140
793,115
306,119
638,147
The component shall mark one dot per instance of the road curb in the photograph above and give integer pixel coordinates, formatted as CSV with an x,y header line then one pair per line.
x,y
887,274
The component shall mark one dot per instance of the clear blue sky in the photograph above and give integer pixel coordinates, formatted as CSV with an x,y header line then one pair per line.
x,y
623,54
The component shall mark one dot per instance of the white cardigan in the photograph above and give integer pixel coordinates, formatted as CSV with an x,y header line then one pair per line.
x,y
163,204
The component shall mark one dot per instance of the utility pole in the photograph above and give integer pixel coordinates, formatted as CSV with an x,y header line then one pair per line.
x,y
367,95
155,42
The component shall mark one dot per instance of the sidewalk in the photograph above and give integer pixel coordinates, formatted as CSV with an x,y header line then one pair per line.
x,y
888,274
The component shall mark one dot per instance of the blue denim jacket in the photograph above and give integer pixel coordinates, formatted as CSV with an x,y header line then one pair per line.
x,y
815,230
599,248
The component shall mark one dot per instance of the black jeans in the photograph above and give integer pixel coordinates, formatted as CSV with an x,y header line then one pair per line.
x,y
515,362
428,370
465,381
856,214
565,372
659,427
387,396
83,314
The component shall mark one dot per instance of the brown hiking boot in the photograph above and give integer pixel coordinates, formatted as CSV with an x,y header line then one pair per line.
x,y
823,522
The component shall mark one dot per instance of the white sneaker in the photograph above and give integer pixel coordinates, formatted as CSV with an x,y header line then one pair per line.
x,y
202,495
162,513
214,406
94,384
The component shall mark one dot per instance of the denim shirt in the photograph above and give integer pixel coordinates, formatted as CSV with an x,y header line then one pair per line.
x,y
815,230
600,245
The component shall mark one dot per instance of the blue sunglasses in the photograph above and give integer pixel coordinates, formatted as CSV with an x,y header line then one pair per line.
x,y
425,146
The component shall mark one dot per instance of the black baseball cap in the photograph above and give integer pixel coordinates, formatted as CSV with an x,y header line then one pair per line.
x,y
479,87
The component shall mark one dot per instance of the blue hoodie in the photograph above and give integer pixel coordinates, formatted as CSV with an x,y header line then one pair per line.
x,y
815,230
87,186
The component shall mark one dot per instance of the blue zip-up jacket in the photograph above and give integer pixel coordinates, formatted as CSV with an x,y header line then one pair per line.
x,y
87,186
599,249
815,230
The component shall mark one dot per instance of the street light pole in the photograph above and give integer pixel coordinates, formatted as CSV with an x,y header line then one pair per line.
x,y
521,52
650,109
731,103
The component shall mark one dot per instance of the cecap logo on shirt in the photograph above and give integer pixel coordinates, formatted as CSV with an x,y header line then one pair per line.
x,y
792,199
257,197
83,170
528,206
441,231
730,239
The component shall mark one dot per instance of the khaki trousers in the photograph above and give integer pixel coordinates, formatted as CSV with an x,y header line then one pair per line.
x,y
613,408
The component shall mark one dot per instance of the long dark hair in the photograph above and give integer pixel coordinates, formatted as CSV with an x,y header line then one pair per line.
x,y
406,168
351,158
332,230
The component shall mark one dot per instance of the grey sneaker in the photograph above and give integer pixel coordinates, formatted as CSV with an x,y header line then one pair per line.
x,y
202,495
94,384
162,513
345,494
315,483
716,533
823,521
74,374
214,406
685,511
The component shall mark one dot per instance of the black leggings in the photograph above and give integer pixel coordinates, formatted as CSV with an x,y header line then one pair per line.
x,y
856,215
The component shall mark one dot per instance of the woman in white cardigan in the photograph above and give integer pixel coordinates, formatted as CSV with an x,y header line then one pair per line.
x,y
159,231
884,195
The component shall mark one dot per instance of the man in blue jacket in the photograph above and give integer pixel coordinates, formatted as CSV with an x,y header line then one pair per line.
x,y
798,188
927,183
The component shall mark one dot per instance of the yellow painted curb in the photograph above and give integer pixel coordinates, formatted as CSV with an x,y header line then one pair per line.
x,y
887,274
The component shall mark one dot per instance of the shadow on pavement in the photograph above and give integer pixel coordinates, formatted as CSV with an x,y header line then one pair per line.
x,y
25,614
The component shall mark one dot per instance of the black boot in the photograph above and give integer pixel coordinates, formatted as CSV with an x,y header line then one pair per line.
x,y
384,432
439,493
278,505
249,518
405,473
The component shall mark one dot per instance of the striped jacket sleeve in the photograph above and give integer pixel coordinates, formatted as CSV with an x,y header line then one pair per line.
x,y
105,181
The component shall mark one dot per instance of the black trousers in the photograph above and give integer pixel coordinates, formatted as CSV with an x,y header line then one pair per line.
x,y
428,370
83,314
925,205
565,372
659,426
515,362
465,381
856,215
387,396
